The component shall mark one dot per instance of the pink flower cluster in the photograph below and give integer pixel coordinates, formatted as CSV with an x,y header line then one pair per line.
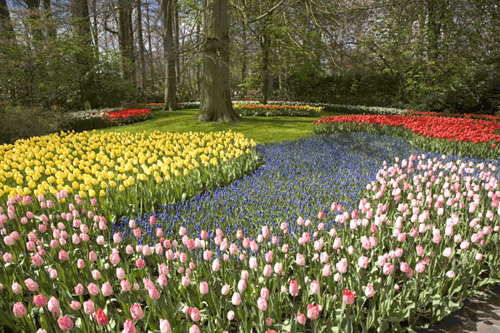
x,y
421,219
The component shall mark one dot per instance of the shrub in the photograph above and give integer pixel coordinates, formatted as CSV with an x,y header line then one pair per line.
x,y
23,123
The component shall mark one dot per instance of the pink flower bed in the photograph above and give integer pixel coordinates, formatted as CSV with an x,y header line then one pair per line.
x,y
423,238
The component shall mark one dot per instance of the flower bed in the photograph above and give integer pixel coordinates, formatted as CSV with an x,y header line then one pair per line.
x,y
354,109
128,116
276,110
125,170
464,115
463,136
423,238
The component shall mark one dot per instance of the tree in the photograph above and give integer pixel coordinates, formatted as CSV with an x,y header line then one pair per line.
x,y
140,41
215,96
81,22
6,29
170,56
126,39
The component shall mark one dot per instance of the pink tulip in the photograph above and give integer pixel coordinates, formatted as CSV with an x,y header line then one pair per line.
x,y
185,281
420,267
39,300
203,288
106,289
129,326
264,293
164,326
16,288
342,266
19,310
242,285
93,289
88,307
215,265
207,255
348,297
114,258
136,312
300,260
92,256
153,293
267,270
230,315
262,304
294,288
162,280
420,250
363,261
436,236
194,313
236,299
65,323
315,287
79,289
327,270
388,268
96,275
194,329
312,311
63,255
125,285
140,263
53,305
225,289
75,306
301,319
369,291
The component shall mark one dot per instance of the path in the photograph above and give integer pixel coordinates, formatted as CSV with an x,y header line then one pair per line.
x,y
480,314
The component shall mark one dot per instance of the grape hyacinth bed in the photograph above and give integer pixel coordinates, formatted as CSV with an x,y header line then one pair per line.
x,y
335,232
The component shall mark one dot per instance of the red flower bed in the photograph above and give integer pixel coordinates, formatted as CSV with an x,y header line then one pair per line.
x,y
450,128
124,114
465,115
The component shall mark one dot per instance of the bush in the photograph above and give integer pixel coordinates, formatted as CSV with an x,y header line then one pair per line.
x,y
23,123
70,122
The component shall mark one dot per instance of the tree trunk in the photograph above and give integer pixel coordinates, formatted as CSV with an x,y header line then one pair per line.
x,y
265,45
176,42
6,29
34,17
243,91
126,40
140,41
50,30
151,63
434,30
169,50
198,66
95,30
81,21
215,96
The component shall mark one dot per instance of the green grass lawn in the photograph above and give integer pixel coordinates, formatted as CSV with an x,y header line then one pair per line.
x,y
260,129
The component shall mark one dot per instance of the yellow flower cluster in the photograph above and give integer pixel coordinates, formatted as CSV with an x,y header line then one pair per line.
x,y
90,164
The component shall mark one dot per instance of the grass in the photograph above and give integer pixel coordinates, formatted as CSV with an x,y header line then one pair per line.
x,y
260,129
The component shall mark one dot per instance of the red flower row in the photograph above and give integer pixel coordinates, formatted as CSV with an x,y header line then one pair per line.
x,y
114,115
466,115
457,129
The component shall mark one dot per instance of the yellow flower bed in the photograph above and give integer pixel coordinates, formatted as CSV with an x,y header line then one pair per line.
x,y
128,172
